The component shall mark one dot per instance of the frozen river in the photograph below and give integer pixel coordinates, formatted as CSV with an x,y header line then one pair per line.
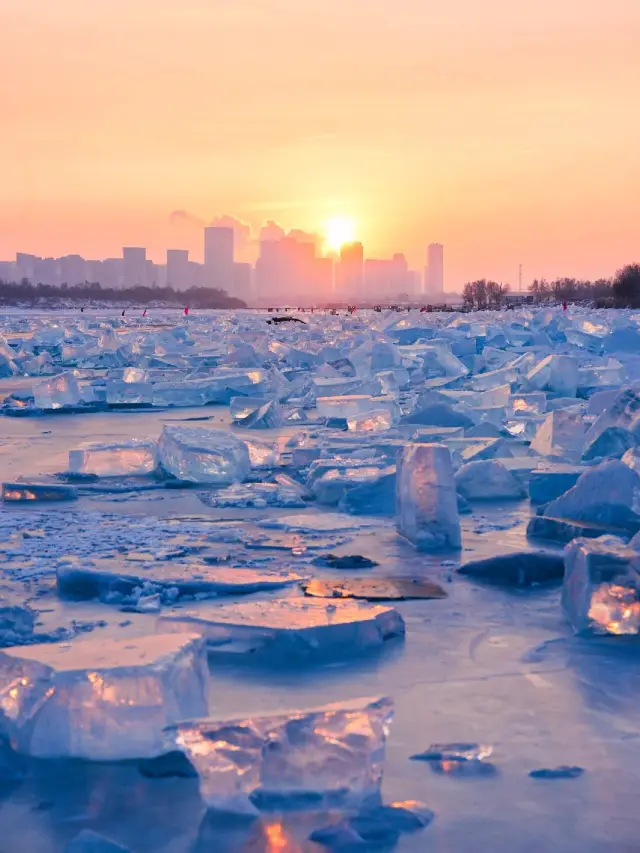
x,y
493,664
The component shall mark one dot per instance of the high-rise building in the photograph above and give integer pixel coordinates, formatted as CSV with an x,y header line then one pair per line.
x,y
434,271
218,258
243,282
135,267
72,270
350,271
178,269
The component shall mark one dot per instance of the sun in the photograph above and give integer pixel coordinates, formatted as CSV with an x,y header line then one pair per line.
x,y
339,230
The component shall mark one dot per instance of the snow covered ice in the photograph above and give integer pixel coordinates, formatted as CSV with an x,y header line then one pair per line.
x,y
101,700
427,506
329,756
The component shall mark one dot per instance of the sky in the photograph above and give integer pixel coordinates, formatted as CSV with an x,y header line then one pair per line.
x,y
507,130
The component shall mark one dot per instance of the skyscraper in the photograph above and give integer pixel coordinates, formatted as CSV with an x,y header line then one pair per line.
x,y
350,270
135,266
178,269
434,271
218,258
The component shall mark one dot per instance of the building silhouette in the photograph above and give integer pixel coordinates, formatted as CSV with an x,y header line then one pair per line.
x,y
434,270
349,271
218,257
178,272
134,262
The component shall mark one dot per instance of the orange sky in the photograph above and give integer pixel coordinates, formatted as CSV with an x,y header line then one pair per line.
x,y
508,130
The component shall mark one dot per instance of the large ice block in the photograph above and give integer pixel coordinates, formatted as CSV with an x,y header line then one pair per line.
x,y
115,458
622,412
201,455
351,405
601,591
189,392
58,392
101,699
292,628
426,502
438,415
376,420
555,373
561,436
124,393
608,495
332,756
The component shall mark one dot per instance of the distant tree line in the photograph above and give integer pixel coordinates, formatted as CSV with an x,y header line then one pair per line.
x,y
14,293
620,291
483,294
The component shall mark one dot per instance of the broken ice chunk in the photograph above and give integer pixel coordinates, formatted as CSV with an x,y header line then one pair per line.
x,y
128,393
427,506
375,420
488,480
16,624
556,373
201,455
189,392
561,435
19,492
58,392
613,442
601,592
329,756
608,495
115,458
350,405
111,580
101,699
293,628
262,455
256,412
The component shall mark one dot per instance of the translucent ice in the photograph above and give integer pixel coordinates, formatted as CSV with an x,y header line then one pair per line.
x,y
101,699
124,393
350,405
115,459
90,842
601,592
192,392
427,506
556,373
256,412
561,435
329,756
58,392
201,455
292,628
612,443
622,412
376,420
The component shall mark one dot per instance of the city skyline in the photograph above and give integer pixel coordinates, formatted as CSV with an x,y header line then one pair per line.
x,y
292,266
502,129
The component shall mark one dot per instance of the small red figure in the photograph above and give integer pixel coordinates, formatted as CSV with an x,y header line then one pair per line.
x,y
144,313
186,310
564,305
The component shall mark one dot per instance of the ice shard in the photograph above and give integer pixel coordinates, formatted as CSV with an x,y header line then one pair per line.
x,y
59,392
101,699
331,756
426,502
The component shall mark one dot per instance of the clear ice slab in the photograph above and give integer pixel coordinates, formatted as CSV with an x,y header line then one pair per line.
x,y
601,591
135,456
292,628
488,480
58,392
426,501
101,699
331,756
201,455
561,435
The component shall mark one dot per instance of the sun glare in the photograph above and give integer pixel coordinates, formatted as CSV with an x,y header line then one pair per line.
x,y
337,231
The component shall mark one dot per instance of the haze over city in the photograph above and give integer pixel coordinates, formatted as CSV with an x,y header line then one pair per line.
x,y
504,131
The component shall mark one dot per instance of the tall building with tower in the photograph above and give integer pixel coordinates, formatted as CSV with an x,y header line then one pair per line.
x,y
178,269
134,262
434,270
218,258
350,271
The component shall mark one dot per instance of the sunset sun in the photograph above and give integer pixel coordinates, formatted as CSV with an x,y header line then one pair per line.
x,y
339,230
